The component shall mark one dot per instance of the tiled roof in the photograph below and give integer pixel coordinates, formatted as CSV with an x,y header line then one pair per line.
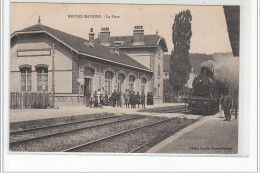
x,y
79,45
127,41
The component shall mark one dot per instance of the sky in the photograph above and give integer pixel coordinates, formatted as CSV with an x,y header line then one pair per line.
x,y
209,30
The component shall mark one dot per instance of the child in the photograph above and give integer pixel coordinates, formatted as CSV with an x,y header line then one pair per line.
x,y
91,102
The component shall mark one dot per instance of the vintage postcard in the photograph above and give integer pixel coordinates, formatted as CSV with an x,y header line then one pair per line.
x,y
124,78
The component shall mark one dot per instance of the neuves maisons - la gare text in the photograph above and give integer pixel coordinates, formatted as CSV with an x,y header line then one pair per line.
x,y
92,16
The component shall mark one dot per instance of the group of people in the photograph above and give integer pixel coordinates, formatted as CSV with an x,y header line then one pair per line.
x,y
229,106
129,98
96,100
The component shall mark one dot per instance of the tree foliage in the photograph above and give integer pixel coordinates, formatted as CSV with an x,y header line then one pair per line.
x,y
179,62
167,91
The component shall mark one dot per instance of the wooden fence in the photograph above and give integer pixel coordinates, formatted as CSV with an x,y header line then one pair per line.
x,y
29,100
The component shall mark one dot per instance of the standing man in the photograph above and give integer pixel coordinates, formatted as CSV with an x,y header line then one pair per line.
x,y
126,98
98,95
235,103
91,101
117,98
143,100
132,99
227,105
148,98
95,100
137,99
101,98
113,98
120,98
88,94
221,100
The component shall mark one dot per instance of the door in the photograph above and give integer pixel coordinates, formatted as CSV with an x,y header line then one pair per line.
x,y
87,86
87,91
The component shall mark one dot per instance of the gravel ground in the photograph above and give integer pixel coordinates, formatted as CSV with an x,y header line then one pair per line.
x,y
57,129
64,141
129,141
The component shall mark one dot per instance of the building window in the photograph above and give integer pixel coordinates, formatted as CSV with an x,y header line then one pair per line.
x,y
159,71
131,83
108,82
26,79
159,54
120,82
143,85
158,90
42,79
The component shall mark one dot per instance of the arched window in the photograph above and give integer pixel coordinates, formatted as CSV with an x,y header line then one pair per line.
x,y
120,82
159,71
26,79
42,79
89,72
143,85
131,82
108,82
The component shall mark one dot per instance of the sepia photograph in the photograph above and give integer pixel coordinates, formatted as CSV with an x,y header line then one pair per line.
x,y
124,78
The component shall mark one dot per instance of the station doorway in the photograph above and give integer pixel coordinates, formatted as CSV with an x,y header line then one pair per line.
x,y
87,91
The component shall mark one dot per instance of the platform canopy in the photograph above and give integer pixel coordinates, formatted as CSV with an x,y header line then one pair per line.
x,y
232,14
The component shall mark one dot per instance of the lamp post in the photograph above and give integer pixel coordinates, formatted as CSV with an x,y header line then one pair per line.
x,y
53,76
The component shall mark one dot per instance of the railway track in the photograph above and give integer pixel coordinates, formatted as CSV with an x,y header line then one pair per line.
x,y
117,135
180,109
61,138
145,146
68,131
175,110
58,125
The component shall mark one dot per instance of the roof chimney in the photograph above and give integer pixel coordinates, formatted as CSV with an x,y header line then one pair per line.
x,y
105,36
138,34
91,35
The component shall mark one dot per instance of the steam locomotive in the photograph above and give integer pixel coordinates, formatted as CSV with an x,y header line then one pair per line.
x,y
206,92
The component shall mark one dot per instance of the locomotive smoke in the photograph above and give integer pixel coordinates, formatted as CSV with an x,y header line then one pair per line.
x,y
225,66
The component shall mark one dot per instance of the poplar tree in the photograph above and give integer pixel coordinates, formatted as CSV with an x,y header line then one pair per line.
x,y
179,62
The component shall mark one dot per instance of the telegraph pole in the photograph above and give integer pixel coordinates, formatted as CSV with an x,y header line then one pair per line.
x,y
53,76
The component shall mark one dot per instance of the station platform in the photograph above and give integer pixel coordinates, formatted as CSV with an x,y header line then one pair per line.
x,y
210,135
19,115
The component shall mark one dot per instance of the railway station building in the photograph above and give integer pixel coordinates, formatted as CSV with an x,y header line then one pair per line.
x,y
148,50
43,59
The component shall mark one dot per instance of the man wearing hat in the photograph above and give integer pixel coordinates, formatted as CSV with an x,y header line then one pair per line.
x,y
227,105
137,99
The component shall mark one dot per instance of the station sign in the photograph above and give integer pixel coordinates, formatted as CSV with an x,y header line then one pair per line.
x,y
33,52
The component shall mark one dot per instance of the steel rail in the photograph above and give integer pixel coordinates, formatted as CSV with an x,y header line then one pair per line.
x,y
172,132
115,135
59,125
68,131
174,110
